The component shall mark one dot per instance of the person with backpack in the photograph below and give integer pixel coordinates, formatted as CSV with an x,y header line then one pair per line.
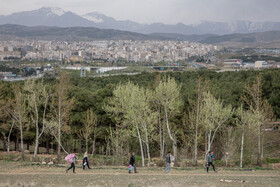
x,y
209,159
168,162
85,161
73,160
132,163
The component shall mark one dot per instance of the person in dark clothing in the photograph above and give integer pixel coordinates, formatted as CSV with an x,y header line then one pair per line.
x,y
210,162
72,165
168,162
132,163
85,161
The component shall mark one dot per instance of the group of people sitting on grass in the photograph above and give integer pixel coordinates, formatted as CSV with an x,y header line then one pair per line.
x,y
71,158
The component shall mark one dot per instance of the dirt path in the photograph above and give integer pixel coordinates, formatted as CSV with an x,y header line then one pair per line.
x,y
142,174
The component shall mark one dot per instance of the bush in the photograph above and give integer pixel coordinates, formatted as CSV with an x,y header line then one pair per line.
x,y
220,163
160,163
271,160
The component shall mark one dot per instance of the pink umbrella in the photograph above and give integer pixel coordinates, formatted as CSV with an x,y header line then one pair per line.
x,y
69,158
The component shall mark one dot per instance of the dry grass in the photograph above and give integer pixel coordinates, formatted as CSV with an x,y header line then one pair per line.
x,y
27,174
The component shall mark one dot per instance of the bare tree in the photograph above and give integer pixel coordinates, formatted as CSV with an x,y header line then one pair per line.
x,y
7,125
37,98
18,113
7,136
61,107
52,127
244,118
195,113
89,126
263,111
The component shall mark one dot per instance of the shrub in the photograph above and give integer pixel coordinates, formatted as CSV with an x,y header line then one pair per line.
x,y
160,163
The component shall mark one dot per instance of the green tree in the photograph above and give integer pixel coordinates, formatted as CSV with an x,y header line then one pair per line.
x,y
168,96
214,115
130,108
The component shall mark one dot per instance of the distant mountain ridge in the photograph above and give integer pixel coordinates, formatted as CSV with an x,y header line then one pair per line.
x,y
19,32
52,16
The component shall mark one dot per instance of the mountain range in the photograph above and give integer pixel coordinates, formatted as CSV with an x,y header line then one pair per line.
x,y
51,16
270,39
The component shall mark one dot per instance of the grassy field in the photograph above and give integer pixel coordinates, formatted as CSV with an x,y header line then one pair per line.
x,y
30,174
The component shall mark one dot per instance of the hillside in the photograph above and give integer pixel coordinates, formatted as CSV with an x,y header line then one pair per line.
x,y
9,32
270,39
245,40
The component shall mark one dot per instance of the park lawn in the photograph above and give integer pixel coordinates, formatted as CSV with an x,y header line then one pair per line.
x,y
28,174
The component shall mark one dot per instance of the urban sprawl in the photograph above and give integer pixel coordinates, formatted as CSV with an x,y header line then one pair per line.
x,y
136,51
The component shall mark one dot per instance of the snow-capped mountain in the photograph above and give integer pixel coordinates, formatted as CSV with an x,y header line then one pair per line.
x,y
52,16
46,16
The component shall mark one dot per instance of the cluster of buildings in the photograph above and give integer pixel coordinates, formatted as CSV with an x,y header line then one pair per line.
x,y
238,63
136,51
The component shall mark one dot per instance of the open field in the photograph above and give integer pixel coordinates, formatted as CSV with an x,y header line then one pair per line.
x,y
29,174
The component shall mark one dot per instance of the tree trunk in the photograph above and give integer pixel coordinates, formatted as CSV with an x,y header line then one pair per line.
x,y
8,147
197,120
52,148
58,147
161,152
37,130
195,147
262,146
93,146
48,145
259,162
141,146
241,151
21,141
148,148
59,129
86,144
205,149
36,144
209,141
170,136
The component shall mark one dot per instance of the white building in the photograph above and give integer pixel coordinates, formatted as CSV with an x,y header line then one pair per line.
x,y
261,64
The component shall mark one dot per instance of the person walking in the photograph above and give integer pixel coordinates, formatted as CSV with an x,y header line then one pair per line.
x,y
72,163
168,162
85,161
210,162
132,163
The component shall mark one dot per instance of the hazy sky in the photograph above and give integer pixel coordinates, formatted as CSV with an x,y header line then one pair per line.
x,y
165,11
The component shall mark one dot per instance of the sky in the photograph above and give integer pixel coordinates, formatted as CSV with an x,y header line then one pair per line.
x,y
163,11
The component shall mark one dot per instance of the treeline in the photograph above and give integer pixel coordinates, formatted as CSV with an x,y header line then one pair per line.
x,y
189,113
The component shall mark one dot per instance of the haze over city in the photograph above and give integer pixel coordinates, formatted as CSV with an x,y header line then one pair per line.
x,y
163,11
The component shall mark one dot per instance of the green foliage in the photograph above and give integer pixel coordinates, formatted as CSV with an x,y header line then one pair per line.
x,y
96,92
271,160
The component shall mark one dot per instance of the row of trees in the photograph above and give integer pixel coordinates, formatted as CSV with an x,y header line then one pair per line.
x,y
148,118
147,113
39,106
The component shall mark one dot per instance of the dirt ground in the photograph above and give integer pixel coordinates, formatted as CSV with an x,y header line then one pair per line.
x,y
28,174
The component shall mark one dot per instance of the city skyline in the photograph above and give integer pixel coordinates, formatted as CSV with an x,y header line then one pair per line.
x,y
163,11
